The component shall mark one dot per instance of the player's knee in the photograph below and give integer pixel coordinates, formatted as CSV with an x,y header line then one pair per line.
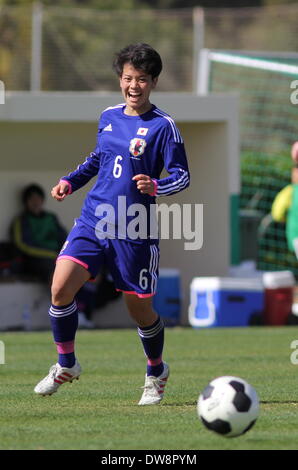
x,y
141,311
61,294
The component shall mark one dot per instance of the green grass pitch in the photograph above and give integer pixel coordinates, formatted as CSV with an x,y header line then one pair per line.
x,y
100,410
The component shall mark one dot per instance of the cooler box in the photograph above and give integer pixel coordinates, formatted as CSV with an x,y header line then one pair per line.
x,y
279,296
167,300
226,301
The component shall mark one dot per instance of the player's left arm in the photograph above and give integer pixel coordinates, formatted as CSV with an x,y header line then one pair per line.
x,y
175,162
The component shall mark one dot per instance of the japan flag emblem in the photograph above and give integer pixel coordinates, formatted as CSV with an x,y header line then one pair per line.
x,y
142,131
137,147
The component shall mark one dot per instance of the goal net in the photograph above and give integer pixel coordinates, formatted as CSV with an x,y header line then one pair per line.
x,y
268,127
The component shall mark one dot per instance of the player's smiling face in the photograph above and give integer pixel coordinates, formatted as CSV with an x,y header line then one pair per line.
x,y
136,86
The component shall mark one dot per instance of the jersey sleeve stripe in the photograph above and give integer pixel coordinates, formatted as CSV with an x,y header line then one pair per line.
x,y
114,107
175,186
176,133
174,128
87,159
175,189
184,175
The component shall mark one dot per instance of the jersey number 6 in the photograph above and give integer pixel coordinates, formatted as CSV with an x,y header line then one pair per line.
x,y
143,280
117,170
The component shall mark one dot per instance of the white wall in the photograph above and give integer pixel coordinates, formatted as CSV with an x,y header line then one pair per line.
x,y
41,153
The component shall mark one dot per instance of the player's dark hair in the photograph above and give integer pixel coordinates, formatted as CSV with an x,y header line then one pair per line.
x,y
32,189
141,56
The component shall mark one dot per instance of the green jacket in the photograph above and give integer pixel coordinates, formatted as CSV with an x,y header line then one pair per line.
x,y
38,236
285,209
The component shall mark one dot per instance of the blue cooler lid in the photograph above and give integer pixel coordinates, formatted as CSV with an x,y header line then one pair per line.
x,y
169,272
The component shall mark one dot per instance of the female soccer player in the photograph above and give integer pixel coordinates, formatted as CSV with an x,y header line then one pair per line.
x,y
135,140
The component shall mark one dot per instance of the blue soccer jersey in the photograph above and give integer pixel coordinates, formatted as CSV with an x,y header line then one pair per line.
x,y
127,146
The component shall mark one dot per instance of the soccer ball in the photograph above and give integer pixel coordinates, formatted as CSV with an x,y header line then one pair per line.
x,y
228,406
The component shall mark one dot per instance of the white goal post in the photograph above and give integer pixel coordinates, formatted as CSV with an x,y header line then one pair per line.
x,y
244,59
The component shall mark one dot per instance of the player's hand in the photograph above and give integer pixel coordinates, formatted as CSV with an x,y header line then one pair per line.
x,y
144,184
60,191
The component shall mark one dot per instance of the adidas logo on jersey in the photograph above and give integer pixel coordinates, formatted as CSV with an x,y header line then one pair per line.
x,y
108,127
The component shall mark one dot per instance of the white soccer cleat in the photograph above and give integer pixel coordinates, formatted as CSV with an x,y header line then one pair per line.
x,y
154,387
57,376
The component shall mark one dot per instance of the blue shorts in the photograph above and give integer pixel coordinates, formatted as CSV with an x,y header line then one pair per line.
x,y
133,266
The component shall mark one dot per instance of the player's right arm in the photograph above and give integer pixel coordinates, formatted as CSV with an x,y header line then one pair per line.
x,y
79,177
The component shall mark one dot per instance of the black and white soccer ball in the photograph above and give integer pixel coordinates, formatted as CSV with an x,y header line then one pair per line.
x,y
228,406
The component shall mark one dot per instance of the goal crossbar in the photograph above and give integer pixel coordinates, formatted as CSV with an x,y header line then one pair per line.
x,y
253,63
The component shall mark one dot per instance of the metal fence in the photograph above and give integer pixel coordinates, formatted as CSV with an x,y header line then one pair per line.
x,y
54,48
59,48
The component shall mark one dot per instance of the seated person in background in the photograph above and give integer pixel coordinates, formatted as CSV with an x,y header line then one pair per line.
x,y
37,235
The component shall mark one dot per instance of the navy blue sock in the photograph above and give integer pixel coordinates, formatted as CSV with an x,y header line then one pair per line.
x,y
64,321
152,338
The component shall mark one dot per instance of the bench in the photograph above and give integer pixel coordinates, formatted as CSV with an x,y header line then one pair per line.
x,y
24,306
